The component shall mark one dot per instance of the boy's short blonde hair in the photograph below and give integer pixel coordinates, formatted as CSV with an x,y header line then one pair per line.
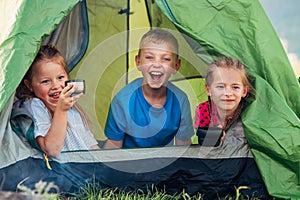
x,y
158,36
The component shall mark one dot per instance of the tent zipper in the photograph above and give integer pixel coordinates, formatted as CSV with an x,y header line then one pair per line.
x,y
47,161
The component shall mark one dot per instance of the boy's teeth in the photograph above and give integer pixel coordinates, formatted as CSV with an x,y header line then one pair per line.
x,y
156,73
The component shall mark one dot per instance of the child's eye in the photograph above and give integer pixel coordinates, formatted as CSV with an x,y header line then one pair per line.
x,y
45,81
61,77
149,57
166,59
220,86
236,87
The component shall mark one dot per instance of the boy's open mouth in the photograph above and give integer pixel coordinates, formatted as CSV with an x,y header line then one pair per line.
x,y
156,75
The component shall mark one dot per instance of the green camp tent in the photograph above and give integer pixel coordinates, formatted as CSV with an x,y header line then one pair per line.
x,y
99,38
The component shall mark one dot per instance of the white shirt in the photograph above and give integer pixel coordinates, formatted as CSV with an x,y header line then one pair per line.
x,y
78,136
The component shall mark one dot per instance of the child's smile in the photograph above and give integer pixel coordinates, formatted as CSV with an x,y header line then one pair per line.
x,y
156,75
55,95
157,62
226,90
48,82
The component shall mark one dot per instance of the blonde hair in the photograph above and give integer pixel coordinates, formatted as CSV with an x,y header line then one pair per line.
x,y
159,36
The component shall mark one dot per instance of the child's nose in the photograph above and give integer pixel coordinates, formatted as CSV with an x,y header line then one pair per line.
x,y
56,84
228,91
157,63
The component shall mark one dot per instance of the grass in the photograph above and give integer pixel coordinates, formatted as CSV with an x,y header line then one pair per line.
x,y
93,191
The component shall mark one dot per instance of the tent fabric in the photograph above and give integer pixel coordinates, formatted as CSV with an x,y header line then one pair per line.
x,y
105,57
225,27
72,35
197,170
24,36
22,124
242,30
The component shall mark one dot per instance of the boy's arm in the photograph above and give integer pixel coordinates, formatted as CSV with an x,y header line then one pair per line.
x,y
112,130
113,144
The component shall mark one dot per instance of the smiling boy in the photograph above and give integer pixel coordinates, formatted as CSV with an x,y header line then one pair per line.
x,y
151,111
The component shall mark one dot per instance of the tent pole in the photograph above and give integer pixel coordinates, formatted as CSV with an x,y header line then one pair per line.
x,y
127,39
148,13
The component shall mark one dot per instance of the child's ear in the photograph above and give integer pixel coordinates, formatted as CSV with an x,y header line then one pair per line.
x,y
177,66
246,90
138,62
207,90
28,85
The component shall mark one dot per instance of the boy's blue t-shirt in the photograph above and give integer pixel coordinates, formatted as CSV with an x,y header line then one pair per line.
x,y
132,119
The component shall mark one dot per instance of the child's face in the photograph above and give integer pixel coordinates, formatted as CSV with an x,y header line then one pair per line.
x,y
226,90
157,62
47,82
